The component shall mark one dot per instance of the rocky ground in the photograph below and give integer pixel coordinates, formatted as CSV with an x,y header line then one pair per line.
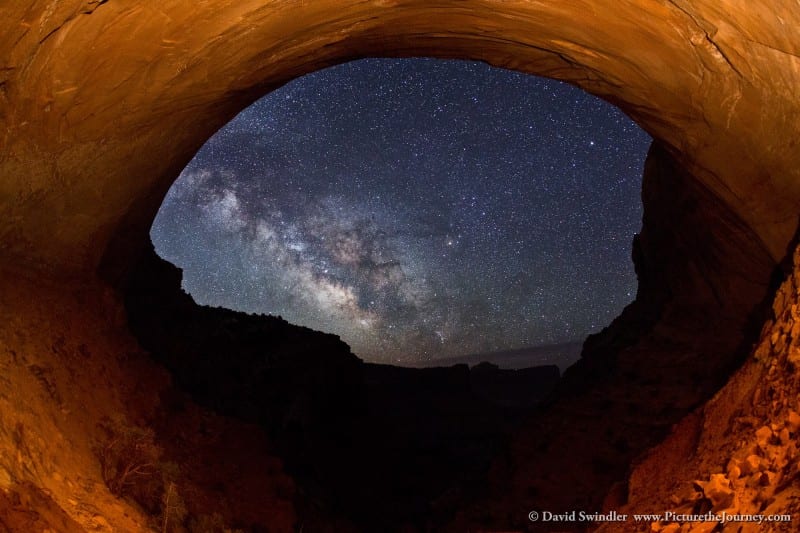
x,y
738,454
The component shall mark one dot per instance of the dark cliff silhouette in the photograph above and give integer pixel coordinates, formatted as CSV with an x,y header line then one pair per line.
x,y
375,445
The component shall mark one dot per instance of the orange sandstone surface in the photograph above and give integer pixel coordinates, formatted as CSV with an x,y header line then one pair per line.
x,y
689,400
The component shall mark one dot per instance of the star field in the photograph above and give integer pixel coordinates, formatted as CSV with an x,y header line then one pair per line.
x,y
420,209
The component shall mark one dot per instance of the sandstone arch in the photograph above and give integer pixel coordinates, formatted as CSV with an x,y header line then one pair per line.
x,y
104,101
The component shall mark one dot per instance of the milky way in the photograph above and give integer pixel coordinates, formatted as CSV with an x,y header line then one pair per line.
x,y
420,209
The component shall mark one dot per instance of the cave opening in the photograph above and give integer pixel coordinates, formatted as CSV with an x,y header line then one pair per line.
x,y
478,207
426,211
95,139
307,199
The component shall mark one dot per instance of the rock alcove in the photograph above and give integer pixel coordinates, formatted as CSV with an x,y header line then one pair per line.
x,y
104,102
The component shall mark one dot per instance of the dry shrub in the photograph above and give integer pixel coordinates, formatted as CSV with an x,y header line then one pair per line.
x,y
131,464
128,454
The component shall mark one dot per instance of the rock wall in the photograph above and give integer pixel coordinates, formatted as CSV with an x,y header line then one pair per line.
x,y
103,103
737,453
69,370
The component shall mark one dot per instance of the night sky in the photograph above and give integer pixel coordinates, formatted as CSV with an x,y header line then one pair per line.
x,y
419,209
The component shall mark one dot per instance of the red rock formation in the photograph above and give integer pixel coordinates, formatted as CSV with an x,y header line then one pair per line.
x,y
67,363
737,453
103,103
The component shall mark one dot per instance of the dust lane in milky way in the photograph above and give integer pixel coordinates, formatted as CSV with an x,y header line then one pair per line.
x,y
421,209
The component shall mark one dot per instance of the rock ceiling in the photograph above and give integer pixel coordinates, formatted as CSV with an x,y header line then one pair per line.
x,y
104,102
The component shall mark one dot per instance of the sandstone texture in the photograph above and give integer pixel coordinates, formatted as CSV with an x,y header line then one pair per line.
x,y
738,453
68,367
103,102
